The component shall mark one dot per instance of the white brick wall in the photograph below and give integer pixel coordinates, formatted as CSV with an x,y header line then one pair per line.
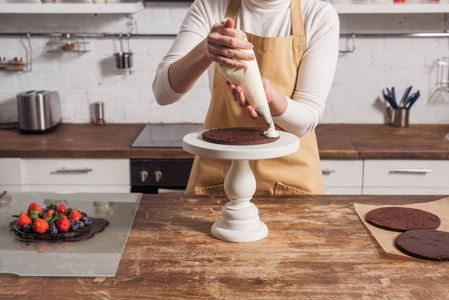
x,y
82,79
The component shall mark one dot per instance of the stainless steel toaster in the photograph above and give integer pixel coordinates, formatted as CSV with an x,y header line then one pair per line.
x,y
39,111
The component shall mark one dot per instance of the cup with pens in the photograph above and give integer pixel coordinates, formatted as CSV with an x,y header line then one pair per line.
x,y
399,112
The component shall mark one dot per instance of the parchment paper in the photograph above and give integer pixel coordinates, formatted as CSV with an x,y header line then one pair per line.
x,y
386,238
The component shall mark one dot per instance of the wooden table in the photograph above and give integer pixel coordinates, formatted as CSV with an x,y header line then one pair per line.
x,y
316,248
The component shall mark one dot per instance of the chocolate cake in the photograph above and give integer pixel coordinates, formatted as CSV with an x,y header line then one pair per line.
x,y
87,232
402,218
237,136
427,244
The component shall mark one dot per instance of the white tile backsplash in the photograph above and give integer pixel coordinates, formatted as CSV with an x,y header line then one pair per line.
x,y
82,79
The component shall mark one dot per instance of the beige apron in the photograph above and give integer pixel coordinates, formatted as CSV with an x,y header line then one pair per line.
x,y
278,59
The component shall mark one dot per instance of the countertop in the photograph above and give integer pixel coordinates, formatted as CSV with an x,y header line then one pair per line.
x,y
317,247
336,141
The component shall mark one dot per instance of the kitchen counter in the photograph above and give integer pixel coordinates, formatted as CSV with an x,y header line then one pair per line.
x,y
336,141
317,247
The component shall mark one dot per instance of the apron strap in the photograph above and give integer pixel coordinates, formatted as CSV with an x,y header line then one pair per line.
x,y
296,16
233,9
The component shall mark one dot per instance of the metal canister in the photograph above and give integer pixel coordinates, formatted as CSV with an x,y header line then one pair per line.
x,y
99,113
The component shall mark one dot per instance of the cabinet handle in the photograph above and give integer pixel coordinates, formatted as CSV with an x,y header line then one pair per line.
x,y
327,171
416,171
65,170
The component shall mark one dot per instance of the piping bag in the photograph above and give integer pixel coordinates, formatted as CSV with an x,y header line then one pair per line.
x,y
250,80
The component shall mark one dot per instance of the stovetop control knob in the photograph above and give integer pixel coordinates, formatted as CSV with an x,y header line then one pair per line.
x,y
157,175
143,175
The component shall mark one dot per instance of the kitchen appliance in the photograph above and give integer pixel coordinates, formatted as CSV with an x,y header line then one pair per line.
x,y
39,111
153,176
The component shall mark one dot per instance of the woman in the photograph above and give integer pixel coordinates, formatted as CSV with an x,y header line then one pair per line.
x,y
296,46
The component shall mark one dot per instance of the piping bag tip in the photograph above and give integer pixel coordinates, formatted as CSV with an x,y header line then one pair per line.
x,y
264,113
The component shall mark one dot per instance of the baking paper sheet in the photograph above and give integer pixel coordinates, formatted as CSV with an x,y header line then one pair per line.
x,y
386,238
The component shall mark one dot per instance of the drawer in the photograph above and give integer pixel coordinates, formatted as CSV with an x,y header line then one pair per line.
x,y
406,173
10,171
75,171
116,188
342,173
405,191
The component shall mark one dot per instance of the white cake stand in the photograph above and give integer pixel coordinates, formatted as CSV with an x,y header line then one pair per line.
x,y
239,220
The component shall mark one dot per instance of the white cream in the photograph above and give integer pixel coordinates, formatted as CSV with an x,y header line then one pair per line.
x,y
271,132
250,80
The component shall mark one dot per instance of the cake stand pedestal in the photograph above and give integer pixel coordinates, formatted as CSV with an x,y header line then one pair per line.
x,y
239,220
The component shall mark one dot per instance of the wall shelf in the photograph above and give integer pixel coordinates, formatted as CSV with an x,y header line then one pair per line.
x,y
71,8
391,8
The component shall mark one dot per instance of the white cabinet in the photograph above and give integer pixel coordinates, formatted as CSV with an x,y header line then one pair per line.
x,y
10,174
65,175
342,176
406,177
386,176
76,175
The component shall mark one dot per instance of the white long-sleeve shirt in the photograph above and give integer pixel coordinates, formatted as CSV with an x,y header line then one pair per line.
x,y
270,18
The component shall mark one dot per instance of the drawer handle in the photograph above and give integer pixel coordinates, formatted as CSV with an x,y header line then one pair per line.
x,y
416,171
327,171
65,170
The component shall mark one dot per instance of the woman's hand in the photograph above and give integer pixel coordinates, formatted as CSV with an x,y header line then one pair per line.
x,y
240,97
223,45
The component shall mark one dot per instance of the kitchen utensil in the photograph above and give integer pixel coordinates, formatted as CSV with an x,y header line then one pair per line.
x,y
405,97
389,100
124,59
392,98
399,117
239,220
39,111
412,99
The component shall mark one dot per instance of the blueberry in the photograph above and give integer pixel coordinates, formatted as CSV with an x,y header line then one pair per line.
x,y
52,230
41,215
80,225
71,221
85,220
83,214
74,226
52,225
27,228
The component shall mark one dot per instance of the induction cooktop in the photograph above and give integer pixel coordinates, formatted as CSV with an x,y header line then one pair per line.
x,y
164,135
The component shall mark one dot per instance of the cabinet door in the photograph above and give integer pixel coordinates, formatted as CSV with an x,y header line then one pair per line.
x,y
10,174
342,176
406,177
76,175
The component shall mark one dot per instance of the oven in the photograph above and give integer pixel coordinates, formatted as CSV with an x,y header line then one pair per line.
x,y
153,176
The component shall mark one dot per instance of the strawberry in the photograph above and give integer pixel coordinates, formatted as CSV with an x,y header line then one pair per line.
x,y
63,223
34,206
61,208
40,226
75,215
48,214
23,219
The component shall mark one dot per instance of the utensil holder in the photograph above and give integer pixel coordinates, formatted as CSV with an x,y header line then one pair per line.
x,y
399,117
